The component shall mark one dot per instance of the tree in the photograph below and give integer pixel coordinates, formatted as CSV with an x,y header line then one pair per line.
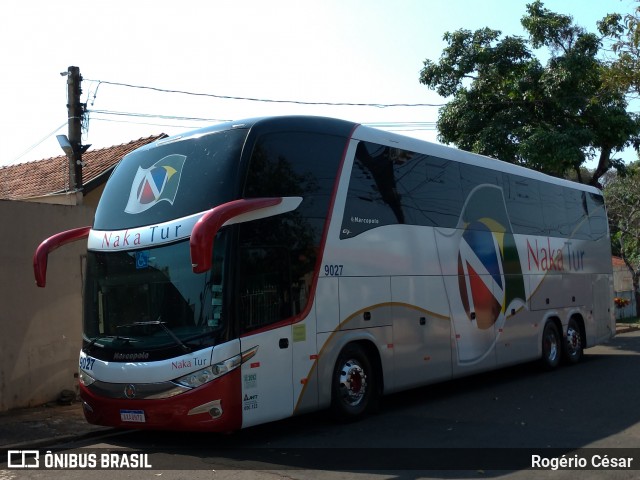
x,y
622,196
507,105
624,35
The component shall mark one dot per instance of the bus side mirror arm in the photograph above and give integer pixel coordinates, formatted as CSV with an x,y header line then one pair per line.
x,y
237,211
49,245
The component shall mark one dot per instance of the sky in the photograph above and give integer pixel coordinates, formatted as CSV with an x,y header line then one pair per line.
x,y
330,51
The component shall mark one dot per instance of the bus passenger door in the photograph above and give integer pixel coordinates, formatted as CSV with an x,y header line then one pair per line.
x,y
267,392
264,310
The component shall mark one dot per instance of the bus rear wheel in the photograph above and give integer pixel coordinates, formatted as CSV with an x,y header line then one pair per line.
x,y
551,346
353,389
573,346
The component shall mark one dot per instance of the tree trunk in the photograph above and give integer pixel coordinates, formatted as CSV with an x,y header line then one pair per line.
x,y
636,293
604,162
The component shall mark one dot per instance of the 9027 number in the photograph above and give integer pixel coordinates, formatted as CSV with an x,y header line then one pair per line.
x,y
86,363
332,270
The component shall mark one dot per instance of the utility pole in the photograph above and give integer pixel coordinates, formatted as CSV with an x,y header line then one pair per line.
x,y
75,111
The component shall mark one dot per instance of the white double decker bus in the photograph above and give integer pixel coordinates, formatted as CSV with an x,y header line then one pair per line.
x,y
259,269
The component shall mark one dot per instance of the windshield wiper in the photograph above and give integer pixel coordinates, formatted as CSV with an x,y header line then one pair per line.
x,y
89,346
164,327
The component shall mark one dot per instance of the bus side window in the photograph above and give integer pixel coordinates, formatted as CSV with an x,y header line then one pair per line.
x,y
523,204
577,214
278,254
263,291
597,216
482,202
373,199
440,197
553,209
390,186
429,189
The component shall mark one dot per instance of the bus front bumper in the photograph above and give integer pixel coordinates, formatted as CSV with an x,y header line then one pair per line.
x,y
215,406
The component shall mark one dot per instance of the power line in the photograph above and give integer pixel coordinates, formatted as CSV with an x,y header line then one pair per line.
x,y
303,102
268,100
156,115
38,143
392,126
144,123
402,126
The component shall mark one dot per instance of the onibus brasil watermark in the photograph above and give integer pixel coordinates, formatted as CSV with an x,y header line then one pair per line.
x,y
331,458
20,459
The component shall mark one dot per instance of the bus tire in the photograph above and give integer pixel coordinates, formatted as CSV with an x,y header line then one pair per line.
x,y
551,346
573,347
353,385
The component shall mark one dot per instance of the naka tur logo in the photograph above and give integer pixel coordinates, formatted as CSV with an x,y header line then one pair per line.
x,y
155,184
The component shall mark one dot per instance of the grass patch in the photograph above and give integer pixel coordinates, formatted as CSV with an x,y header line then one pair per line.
x,y
629,321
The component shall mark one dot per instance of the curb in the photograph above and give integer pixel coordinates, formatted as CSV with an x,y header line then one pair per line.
x,y
53,442
627,329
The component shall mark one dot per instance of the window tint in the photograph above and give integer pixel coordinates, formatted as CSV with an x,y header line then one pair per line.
x,y
482,201
577,215
128,292
373,199
472,176
277,255
485,207
523,204
161,183
597,215
393,186
553,209
440,197
265,277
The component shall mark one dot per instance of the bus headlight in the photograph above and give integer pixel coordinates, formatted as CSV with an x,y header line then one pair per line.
x,y
225,367
205,375
195,379
85,379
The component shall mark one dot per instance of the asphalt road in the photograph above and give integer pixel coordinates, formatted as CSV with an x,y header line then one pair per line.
x,y
477,420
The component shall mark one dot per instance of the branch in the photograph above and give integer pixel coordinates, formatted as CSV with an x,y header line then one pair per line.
x,y
604,163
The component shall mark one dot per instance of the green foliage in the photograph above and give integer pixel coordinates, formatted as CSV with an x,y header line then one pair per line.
x,y
624,35
622,196
506,104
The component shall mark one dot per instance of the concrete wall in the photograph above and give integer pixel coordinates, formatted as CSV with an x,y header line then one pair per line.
x,y
40,329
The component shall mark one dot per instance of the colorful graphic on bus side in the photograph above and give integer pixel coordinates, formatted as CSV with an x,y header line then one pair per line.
x,y
490,277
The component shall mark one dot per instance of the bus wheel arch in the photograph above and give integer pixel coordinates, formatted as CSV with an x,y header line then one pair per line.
x,y
356,381
574,340
551,344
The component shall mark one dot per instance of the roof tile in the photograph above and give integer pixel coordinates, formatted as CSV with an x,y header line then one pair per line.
x,y
48,176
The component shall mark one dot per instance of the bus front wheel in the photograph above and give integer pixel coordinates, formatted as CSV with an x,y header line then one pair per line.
x,y
551,346
353,388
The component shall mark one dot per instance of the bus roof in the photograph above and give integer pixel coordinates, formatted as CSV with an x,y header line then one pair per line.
x,y
333,126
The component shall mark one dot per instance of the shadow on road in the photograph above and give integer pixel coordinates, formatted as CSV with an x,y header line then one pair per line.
x,y
491,421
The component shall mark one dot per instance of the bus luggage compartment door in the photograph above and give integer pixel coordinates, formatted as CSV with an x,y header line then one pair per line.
x,y
421,331
365,302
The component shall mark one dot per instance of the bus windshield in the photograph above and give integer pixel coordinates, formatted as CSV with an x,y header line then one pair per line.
x,y
207,164
151,300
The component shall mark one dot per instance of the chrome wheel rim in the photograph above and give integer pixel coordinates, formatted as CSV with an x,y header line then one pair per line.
x,y
551,346
574,341
352,383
